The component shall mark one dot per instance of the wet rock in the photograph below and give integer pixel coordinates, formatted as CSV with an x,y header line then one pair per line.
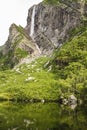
x,y
28,122
73,106
65,101
42,100
72,100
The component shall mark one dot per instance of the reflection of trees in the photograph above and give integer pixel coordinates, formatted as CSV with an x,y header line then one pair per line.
x,y
37,116
73,119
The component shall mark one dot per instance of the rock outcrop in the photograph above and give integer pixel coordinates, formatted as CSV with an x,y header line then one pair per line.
x,y
18,46
18,38
52,24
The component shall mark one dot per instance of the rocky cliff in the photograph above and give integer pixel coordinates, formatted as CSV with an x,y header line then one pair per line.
x,y
48,27
18,46
19,39
52,25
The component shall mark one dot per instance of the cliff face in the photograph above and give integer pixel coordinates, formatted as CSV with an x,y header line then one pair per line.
x,y
18,46
52,24
18,38
48,27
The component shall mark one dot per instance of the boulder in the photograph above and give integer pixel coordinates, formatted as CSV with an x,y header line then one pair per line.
x,y
72,100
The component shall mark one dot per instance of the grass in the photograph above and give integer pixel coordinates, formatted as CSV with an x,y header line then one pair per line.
x,y
29,81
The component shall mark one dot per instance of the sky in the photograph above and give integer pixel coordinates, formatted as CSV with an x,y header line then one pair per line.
x,y
13,11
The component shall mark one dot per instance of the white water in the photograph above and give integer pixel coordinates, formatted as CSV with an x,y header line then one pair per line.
x,y
32,22
38,48
32,28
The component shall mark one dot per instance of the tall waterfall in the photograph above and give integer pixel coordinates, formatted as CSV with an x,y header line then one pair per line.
x,y
32,28
32,22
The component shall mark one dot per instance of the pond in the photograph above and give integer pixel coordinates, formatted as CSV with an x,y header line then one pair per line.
x,y
42,116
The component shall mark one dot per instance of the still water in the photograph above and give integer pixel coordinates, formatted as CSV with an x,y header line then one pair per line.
x,y
38,116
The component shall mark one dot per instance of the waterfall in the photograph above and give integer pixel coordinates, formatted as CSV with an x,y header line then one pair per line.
x,y
82,2
38,48
32,22
32,28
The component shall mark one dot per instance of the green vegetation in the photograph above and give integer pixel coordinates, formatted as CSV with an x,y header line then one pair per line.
x,y
58,1
49,78
29,81
20,53
42,116
11,58
15,52
51,1
70,65
6,61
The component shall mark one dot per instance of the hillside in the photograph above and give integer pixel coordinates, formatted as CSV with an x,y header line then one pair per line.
x,y
58,46
49,78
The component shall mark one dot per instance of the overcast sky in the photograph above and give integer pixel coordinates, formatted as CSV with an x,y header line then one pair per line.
x,y
13,11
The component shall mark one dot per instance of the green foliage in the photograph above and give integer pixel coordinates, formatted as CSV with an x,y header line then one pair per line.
x,y
20,53
15,53
29,81
61,1
6,61
51,1
70,65
65,73
42,116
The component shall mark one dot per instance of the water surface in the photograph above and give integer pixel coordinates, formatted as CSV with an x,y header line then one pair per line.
x,y
38,116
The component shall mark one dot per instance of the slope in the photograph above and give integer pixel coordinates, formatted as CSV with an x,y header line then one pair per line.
x,y
48,78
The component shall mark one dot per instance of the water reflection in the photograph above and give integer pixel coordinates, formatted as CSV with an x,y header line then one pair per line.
x,y
37,116
73,106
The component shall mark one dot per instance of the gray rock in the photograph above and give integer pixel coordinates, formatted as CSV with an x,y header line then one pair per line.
x,y
72,100
52,24
65,101
18,39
